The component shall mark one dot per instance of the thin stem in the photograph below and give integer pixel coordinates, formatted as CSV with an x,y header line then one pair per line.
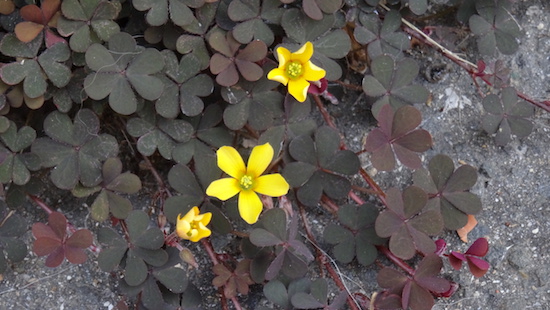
x,y
322,258
470,67
356,198
49,211
396,260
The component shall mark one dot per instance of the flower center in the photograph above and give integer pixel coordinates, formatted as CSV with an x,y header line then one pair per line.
x,y
246,182
194,226
294,69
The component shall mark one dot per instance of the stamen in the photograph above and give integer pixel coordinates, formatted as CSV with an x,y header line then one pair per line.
x,y
246,182
294,69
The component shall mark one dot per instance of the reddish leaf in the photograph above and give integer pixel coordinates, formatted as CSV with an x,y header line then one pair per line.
x,y
75,255
6,7
253,52
49,8
478,267
45,246
456,259
441,247
41,230
391,279
219,63
56,257
249,70
405,120
28,31
480,247
32,13
80,239
58,224
318,89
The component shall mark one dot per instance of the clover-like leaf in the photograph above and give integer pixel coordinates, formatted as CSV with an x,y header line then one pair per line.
x,y
255,104
397,136
407,225
88,22
33,73
73,92
416,292
390,82
478,267
121,70
144,248
253,17
381,37
357,238
195,45
52,240
12,227
319,166
11,46
14,164
182,179
234,281
160,283
179,11
495,28
109,200
448,190
315,8
39,20
183,87
155,132
231,60
75,148
330,41
507,115
292,255
295,121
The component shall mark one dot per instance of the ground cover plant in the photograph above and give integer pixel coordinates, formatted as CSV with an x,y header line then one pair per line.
x,y
215,111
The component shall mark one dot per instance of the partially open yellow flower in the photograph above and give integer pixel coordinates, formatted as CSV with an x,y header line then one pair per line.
x,y
192,226
296,70
247,181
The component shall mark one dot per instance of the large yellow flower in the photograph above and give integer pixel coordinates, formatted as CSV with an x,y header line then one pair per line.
x,y
296,70
247,181
192,226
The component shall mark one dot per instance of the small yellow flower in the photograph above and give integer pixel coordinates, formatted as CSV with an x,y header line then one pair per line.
x,y
247,181
192,226
296,70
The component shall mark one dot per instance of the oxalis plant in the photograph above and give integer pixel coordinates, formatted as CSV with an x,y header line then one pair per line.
x,y
208,110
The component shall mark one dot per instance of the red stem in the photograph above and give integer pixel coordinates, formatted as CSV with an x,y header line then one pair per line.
x,y
322,258
396,260
545,105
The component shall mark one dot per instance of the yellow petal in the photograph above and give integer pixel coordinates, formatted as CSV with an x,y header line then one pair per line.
x,y
283,55
312,72
223,189
260,158
273,185
298,89
206,217
182,228
303,54
250,206
231,162
202,232
278,75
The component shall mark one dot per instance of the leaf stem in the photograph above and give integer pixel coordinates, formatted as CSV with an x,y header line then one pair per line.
x,y
470,67
323,260
396,260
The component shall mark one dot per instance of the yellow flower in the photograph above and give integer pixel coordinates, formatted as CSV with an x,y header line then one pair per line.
x,y
296,70
247,181
192,226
